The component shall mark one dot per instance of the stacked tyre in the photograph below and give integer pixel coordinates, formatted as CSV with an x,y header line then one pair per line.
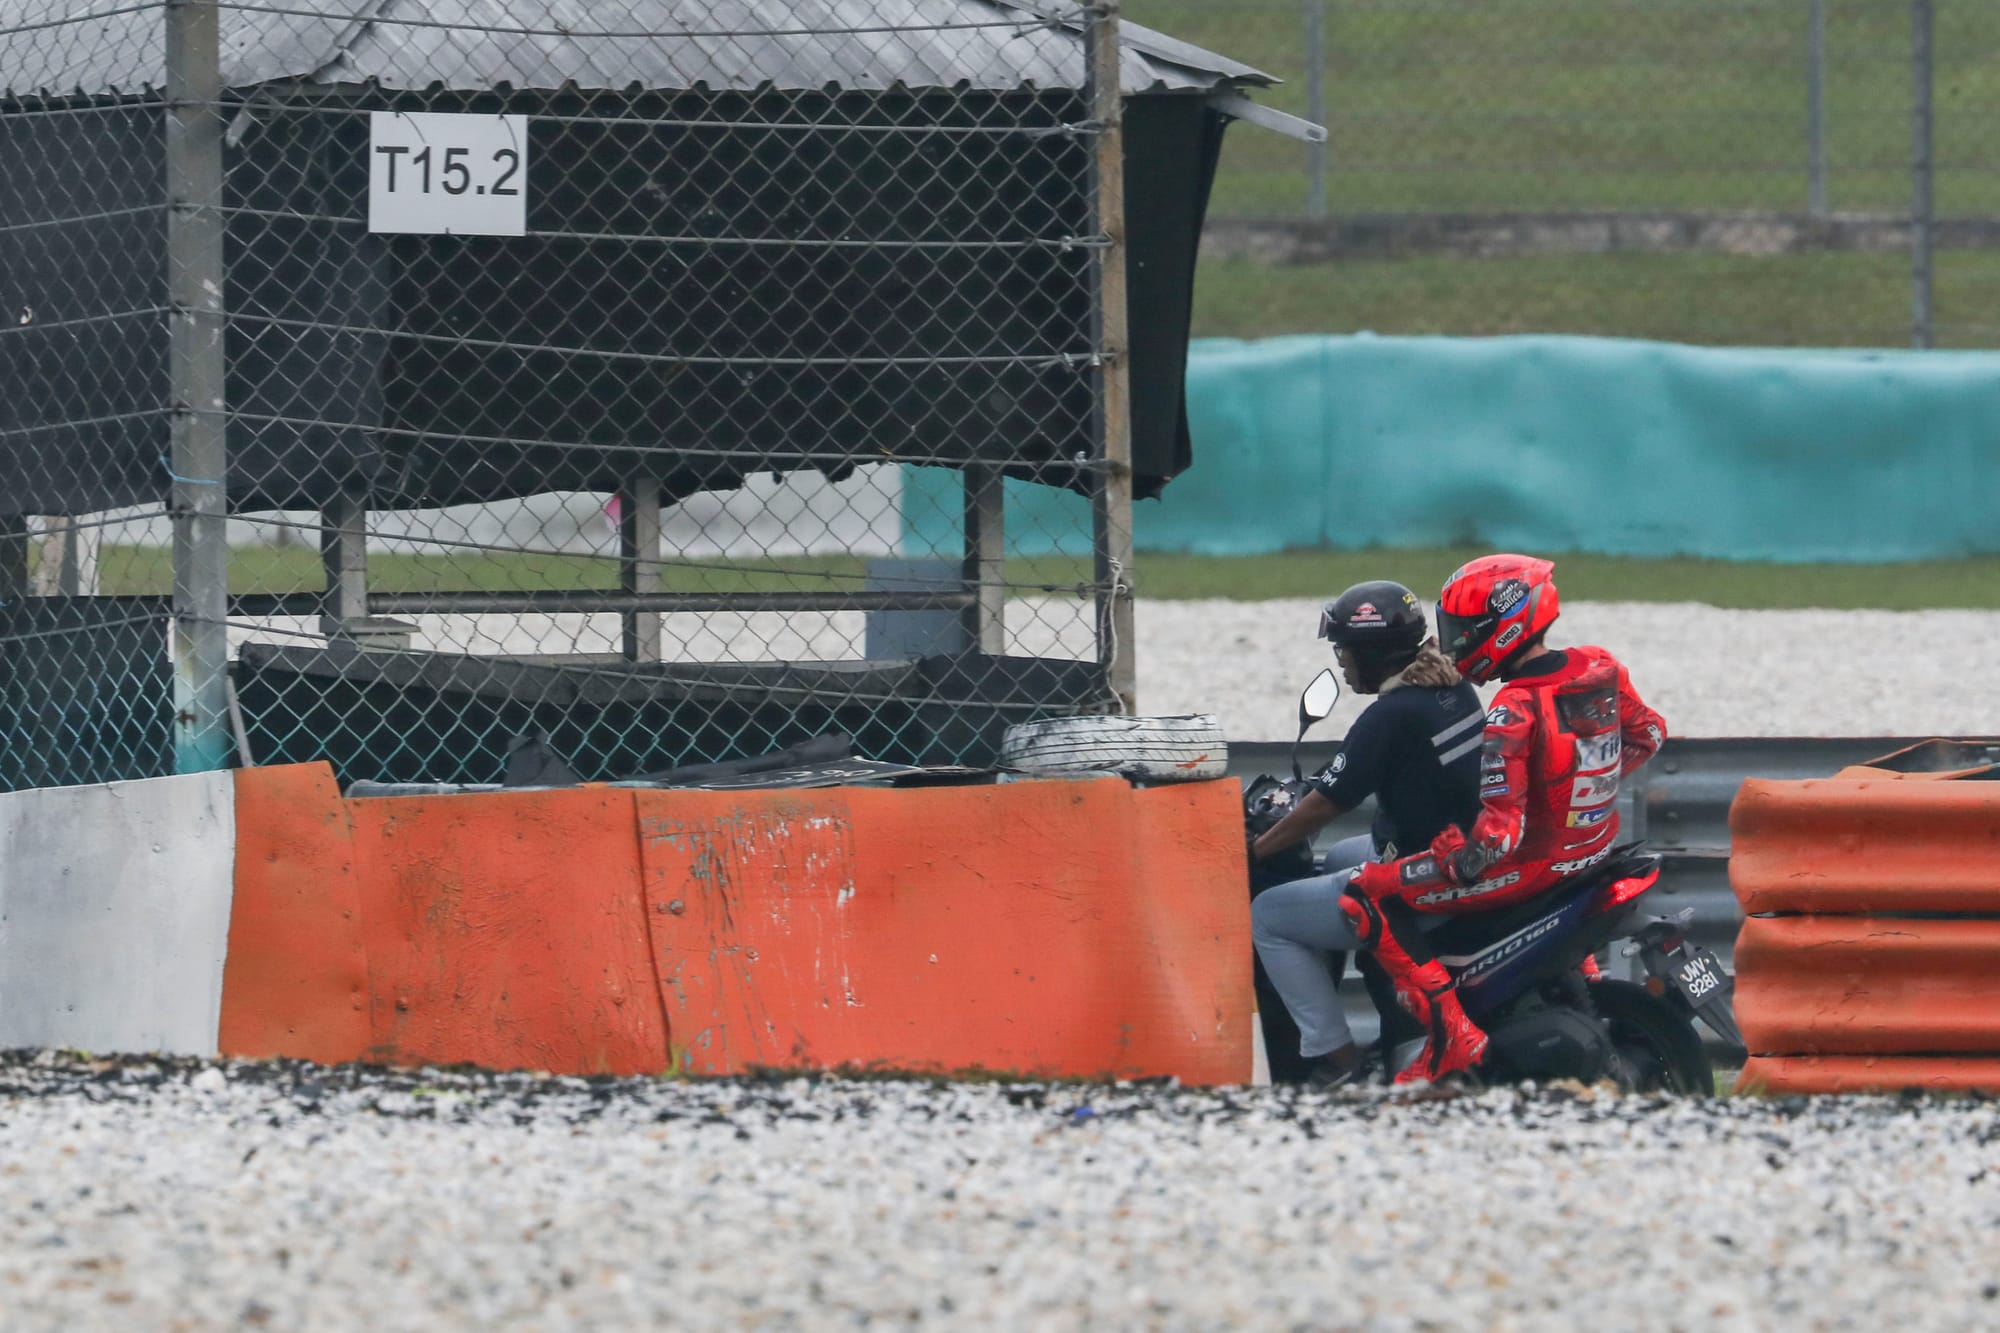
x,y
1146,749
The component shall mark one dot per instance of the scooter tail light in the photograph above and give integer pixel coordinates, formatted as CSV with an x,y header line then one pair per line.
x,y
1623,891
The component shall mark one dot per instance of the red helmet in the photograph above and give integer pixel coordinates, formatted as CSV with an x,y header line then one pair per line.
x,y
1492,608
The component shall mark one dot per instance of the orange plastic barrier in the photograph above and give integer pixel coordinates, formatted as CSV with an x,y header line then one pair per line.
x,y
1851,989
1876,844
1868,985
1069,928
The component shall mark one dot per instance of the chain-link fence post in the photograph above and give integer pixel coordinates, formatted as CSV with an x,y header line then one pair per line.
x,y
1922,173
1816,108
1111,495
196,370
1316,106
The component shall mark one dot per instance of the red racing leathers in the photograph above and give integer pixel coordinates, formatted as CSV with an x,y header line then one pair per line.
x,y
1557,742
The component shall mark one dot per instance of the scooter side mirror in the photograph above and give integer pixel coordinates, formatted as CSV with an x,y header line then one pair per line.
x,y
1315,705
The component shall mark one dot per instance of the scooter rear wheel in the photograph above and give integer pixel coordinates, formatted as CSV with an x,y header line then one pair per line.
x,y
1657,1044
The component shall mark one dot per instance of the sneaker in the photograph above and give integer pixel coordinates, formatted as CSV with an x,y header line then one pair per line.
x,y
1329,1073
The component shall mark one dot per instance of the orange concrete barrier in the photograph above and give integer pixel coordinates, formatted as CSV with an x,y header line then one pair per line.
x,y
1781,1074
1845,978
1868,985
1878,844
1067,928
295,979
1076,928
508,930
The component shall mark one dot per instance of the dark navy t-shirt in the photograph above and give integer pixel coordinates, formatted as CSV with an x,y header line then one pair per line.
x,y
1416,751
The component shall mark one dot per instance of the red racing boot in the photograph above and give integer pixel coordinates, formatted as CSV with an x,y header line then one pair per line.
x,y
1452,1042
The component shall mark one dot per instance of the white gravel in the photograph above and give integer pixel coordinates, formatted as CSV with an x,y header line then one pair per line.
x,y
1710,672
189,1197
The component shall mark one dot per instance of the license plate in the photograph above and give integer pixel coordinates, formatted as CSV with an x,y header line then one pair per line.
x,y
1700,976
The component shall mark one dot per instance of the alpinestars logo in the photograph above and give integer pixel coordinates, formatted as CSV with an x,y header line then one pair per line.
x,y
1479,890
1581,862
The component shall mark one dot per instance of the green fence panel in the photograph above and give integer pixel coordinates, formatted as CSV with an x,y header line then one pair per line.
x,y
1562,444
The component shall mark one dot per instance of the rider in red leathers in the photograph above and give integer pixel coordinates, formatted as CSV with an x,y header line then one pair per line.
x,y
1565,726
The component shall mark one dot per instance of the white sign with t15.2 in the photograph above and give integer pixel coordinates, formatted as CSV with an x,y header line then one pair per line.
x,y
442,174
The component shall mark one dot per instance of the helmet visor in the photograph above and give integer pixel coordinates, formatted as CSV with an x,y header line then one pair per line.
x,y
1461,636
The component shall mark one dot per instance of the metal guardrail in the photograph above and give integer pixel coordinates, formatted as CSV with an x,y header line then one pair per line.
x,y
1679,803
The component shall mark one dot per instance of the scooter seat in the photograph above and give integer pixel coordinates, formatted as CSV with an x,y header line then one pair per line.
x,y
1468,932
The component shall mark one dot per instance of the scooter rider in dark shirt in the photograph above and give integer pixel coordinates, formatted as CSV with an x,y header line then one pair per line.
x,y
1415,749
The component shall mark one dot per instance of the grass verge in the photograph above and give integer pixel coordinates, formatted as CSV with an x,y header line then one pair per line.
x,y
1972,583
1822,300
1473,105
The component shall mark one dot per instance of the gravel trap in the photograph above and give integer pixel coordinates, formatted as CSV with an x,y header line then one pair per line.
x,y
192,1195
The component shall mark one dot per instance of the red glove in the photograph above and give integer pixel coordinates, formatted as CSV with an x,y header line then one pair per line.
x,y
1375,880
1446,847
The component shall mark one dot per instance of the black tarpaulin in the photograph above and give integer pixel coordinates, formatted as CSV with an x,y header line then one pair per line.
x,y
679,308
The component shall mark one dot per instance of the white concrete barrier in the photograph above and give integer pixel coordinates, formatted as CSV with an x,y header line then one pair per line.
x,y
114,914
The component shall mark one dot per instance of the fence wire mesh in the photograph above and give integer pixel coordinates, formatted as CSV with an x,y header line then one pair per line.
x,y
637,374
1715,171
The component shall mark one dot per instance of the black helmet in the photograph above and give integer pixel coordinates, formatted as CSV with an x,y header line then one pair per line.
x,y
1381,624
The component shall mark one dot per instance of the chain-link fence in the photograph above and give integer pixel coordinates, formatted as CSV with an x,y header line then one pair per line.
x,y
404,379
1734,171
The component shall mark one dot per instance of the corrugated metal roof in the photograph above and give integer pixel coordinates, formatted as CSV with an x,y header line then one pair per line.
x,y
655,44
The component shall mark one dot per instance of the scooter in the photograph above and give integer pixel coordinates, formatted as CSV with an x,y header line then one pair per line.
x,y
1528,974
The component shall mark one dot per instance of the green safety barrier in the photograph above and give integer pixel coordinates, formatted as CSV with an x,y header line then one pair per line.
x,y
1557,444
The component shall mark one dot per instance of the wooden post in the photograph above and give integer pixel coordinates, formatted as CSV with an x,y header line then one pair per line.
x,y
985,569
68,567
13,557
48,580
1111,508
639,565
343,553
